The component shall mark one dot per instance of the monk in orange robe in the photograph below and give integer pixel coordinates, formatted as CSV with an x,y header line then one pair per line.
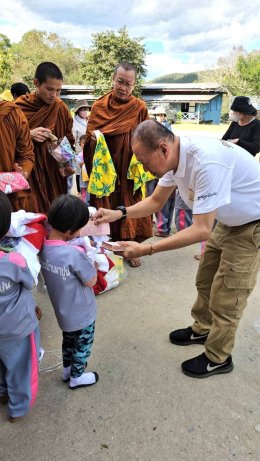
x,y
16,150
46,114
116,115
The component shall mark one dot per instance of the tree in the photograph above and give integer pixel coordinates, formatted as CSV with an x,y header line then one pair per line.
x,y
249,69
5,61
37,46
108,49
238,72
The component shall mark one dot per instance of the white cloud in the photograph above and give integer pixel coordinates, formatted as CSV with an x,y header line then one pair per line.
x,y
194,34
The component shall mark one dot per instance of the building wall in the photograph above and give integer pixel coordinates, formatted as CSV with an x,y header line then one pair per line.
x,y
211,112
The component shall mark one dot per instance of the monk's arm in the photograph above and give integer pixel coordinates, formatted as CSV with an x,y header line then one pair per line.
x,y
24,154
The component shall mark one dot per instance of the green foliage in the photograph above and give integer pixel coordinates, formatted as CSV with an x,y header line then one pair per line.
x,y
178,117
36,47
176,78
238,72
249,69
5,61
191,77
108,49
18,61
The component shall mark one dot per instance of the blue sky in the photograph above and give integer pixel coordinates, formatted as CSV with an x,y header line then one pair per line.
x,y
181,37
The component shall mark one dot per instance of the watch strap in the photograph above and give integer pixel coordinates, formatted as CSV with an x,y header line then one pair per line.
x,y
124,212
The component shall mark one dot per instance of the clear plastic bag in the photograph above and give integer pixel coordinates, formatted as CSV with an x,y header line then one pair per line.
x,y
63,153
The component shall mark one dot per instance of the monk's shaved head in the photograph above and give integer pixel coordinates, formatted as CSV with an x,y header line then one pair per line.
x,y
47,70
150,133
126,66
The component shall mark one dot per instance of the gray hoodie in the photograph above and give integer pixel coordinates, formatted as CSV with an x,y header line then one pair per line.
x,y
17,306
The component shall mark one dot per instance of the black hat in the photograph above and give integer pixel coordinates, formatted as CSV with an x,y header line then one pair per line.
x,y
243,105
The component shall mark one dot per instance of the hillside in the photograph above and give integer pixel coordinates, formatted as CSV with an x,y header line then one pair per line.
x,y
191,77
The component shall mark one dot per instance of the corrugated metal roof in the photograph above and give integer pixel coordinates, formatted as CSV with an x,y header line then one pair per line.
x,y
183,86
77,87
208,86
89,97
199,98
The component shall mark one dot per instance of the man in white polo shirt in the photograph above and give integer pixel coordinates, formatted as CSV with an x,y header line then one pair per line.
x,y
218,180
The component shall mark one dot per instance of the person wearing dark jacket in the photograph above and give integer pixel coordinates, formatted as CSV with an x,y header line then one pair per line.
x,y
245,128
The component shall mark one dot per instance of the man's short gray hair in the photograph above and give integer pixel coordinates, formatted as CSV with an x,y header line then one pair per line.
x,y
151,133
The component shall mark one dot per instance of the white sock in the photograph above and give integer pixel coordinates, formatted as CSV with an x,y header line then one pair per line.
x,y
86,379
66,373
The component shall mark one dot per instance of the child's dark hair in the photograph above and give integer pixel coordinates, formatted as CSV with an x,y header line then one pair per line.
x,y
68,213
5,214
82,138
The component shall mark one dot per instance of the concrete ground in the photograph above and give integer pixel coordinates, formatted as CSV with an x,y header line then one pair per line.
x,y
144,408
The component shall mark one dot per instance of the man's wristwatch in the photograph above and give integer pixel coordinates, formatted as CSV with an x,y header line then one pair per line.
x,y
124,212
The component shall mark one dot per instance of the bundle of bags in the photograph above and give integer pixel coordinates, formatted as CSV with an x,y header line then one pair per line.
x,y
28,231
26,236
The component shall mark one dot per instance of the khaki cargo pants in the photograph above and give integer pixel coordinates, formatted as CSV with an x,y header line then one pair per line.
x,y
226,276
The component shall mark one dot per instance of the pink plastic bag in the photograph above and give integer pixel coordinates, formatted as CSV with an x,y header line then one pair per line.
x,y
12,182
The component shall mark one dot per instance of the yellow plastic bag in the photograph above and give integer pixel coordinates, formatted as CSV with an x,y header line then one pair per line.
x,y
138,175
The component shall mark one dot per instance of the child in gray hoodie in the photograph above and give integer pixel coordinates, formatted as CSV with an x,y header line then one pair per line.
x,y
18,328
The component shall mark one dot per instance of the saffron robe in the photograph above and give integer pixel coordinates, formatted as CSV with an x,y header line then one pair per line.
x,y
117,119
46,182
15,147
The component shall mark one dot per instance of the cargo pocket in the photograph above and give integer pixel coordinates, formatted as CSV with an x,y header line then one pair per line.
x,y
238,286
238,282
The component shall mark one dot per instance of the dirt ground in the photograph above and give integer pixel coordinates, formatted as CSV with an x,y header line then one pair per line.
x,y
143,408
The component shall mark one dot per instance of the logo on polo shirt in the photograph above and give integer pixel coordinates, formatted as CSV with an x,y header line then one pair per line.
x,y
203,197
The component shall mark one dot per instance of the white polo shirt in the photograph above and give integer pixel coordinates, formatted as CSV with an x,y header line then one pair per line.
x,y
217,175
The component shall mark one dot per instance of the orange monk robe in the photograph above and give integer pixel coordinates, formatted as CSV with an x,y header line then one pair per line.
x,y
46,182
117,119
15,147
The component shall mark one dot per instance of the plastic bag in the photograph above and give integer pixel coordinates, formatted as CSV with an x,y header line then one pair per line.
x,y
116,274
62,151
11,182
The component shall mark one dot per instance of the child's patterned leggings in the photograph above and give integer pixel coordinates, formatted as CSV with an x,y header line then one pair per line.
x,y
76,348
